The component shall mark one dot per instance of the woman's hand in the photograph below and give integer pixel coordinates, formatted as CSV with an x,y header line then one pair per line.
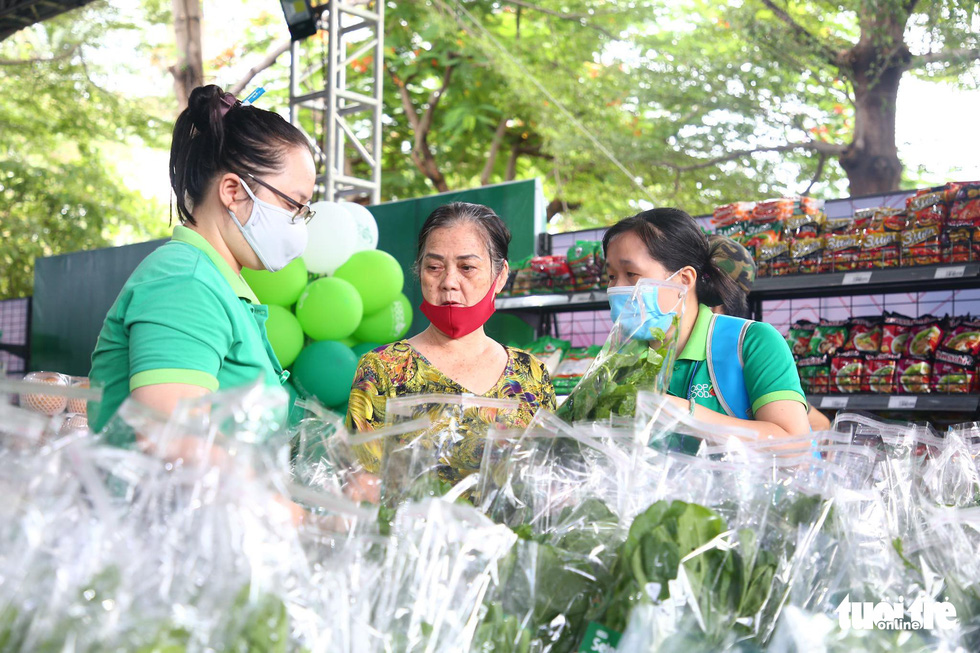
x,y
779,419
363,486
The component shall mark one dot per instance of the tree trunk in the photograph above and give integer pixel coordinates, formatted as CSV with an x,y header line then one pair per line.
x,y
875,66
188,72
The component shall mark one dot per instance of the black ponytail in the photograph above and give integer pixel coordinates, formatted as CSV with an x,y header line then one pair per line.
x,y
675,240
216,134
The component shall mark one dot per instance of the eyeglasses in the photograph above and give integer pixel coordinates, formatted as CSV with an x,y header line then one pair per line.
x,y
303,211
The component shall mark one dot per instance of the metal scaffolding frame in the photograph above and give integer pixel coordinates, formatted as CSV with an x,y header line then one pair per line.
x,y
346,119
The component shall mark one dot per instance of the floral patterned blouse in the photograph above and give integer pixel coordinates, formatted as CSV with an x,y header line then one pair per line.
x,y
398,369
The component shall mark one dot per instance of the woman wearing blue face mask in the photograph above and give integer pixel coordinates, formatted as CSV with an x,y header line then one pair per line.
x,y
730,371
186,323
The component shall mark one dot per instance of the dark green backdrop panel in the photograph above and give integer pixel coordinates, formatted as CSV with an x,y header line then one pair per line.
x,y
72,294
399,224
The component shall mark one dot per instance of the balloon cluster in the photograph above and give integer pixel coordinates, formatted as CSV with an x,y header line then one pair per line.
x,y
341,299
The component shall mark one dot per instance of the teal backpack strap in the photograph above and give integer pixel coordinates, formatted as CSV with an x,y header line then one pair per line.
x,y
725,366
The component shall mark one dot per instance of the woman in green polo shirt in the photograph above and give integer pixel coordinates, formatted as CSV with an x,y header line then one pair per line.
x,y
667,243
185,322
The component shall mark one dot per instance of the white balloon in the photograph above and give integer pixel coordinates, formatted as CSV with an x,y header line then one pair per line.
x,y
367,226
332,238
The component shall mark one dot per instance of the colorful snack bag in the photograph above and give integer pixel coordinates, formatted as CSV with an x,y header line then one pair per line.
x,y
846,370
773,260
828,337
929,207
803,225
550,350
758,234
573,366
881,249
913,376
924,337
523,283
922,245
735,231
963,336
864,335
880,373
540,279
732,213
775,210
560,274
954,372
838,225
814,375
807,255
963,225
799,337
586,272
895,333
842,251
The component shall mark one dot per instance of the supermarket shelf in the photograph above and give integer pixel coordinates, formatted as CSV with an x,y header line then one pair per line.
x,y
918,279
579,301
930,403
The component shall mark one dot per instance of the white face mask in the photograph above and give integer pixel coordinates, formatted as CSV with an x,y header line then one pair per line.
x,y
271,234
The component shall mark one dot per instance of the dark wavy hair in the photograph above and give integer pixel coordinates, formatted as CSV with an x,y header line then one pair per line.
x,y
675,240
215,134
496,235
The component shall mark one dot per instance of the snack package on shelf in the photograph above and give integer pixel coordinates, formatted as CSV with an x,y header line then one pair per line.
x,y
639,353
734,213
773,260
842,252
551,274
963,225
963,335
814,374
803,225
807,255
864,335
880,373
522,276
880,249
574,365
954,372
838,225
922,245
735,231
895,333
585,266
914,375
929,207
828,337
550,350
847,370
800,335
925,335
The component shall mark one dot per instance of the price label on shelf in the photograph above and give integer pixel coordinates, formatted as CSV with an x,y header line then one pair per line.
x,y
955,272
902,402
580,298
855,278
833,402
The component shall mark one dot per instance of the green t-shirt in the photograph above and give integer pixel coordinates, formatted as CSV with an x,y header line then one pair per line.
x,y
183,316
768,367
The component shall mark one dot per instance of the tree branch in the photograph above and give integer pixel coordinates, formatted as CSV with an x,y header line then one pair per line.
x,y
422,155
498,138
426,123
581,19
945,56
826,149
818,174
827,52
267,61
26,62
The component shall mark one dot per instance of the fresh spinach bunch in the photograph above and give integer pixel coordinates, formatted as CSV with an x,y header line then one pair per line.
x,y
611,384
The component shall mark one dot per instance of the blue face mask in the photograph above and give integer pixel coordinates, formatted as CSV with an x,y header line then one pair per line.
x,y
645,320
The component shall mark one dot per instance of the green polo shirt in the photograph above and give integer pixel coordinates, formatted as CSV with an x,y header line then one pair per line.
x,y
183,316
768,367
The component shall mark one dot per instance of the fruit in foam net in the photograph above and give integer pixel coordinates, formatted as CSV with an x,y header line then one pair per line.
x,y
43,403
79,406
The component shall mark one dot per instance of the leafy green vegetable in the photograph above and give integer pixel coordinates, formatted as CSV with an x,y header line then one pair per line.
x,y
611,384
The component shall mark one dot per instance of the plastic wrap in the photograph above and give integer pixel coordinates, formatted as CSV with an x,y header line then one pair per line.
x,y
639,353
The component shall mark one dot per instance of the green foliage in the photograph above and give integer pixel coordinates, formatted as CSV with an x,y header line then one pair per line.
x,y
58,190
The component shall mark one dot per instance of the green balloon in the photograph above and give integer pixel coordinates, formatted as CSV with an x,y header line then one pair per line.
x,y
325,370
377,276
364,348
285,334
350,341
388,324
329,309
281,288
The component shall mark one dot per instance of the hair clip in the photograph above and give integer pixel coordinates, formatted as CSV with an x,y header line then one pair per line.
x,y
229,101
253,96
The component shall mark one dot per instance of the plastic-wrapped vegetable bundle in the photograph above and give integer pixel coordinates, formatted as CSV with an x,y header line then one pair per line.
x,y
639,353
438,568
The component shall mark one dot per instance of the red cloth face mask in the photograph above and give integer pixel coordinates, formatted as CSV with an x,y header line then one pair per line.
x,y
458,321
